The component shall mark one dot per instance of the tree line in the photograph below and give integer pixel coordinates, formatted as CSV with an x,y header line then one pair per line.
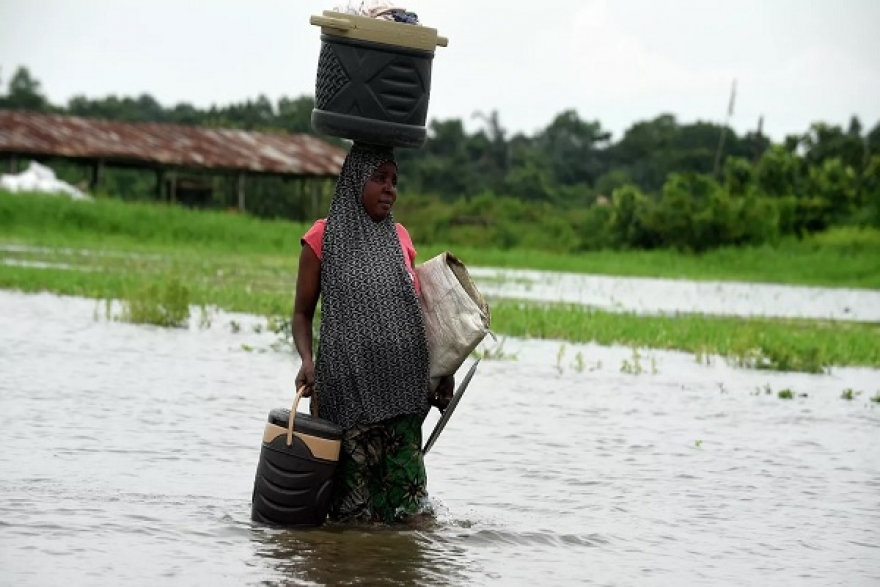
x,y
568,187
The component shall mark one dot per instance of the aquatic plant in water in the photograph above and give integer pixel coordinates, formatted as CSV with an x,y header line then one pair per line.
x,y
205,318
703,356
579,362
282,328
635,367
560,354
780,359
494,353
163,304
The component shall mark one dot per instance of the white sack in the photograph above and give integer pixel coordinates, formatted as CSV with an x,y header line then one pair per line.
x,y
456,315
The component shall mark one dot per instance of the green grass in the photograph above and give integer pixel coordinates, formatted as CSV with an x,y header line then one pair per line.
x,y
236,282
112,223
783,345
158,259
839,258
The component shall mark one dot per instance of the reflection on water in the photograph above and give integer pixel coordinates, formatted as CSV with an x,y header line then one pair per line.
x,y
670,296
362,556
129,455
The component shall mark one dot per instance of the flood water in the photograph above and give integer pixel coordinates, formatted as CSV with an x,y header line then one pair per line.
x,y
642,295
128,457
671,296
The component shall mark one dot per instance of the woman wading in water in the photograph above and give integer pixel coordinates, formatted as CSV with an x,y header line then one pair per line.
x,y
371,373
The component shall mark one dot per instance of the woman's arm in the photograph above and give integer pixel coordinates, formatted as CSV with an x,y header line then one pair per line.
x,y
308,290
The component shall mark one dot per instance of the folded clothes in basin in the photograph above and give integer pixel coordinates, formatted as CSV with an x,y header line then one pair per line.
x,y
382,9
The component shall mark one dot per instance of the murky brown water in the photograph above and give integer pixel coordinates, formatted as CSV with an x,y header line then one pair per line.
x,y
128,456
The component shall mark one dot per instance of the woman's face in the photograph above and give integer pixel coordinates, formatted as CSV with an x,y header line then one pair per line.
x,y
380,191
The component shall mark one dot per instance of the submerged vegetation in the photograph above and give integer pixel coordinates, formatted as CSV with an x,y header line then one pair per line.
x,y
774,344
164,303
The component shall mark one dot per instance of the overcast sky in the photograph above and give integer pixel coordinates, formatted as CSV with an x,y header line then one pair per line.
x,y
618,61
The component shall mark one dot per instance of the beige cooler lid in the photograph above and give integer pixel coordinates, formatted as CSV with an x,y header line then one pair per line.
x,y
378,30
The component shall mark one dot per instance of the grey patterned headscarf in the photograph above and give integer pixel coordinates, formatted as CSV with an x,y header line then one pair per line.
x,y
372,359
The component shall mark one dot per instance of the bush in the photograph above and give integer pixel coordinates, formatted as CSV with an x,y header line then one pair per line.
x,y
160,304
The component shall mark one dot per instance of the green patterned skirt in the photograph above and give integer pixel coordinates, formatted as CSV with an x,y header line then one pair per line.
x,y
381,472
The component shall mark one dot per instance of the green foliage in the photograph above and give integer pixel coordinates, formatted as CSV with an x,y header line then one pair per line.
x,y
824,142
610,181
592,228
871,191
163,304
24,93
835,185
778,173
566,188
630,207
739,176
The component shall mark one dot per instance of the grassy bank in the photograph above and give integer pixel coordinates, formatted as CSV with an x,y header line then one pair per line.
x,y
780,345
840,258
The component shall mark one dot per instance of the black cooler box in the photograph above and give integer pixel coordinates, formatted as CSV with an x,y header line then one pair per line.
x,y
374,79
295,474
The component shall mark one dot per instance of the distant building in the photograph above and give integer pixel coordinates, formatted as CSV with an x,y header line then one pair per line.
x,y
171,151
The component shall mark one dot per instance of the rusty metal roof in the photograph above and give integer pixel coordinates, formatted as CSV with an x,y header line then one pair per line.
x,y
143,143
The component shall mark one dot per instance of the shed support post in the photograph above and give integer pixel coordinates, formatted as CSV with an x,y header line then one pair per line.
x,y
302,204
241,203
97,175
172,189
160,185
316,192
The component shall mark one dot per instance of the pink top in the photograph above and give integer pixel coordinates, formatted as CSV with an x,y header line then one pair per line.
x,y
315,239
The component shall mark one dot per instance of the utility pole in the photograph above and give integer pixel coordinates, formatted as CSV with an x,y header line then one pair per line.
x,y
724,129
756,153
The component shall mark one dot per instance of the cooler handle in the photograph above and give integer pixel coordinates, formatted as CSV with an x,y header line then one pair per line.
x,y
293,415
342,24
